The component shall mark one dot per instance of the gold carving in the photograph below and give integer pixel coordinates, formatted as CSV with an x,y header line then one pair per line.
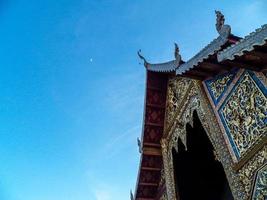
x,y
244,113
177,88
248,171
260,191
219,85
163,196
196,100
162,177
168,170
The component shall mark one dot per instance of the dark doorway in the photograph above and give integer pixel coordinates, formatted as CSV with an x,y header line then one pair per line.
x,y
197,174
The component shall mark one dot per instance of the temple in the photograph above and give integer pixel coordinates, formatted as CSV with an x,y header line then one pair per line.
x,y
204,129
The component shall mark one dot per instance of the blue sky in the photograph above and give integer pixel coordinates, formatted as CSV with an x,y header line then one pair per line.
x,y
72,89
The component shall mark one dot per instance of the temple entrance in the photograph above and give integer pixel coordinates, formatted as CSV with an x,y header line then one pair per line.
x,y
198,175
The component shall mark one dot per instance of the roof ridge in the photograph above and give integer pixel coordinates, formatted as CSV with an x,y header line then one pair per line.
x,y
168,66
247,43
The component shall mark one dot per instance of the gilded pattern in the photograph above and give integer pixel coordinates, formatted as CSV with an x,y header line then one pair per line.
x,y
248,171
219,85
195,100
168,170
260,190
244,115
177,87
162,177
164,196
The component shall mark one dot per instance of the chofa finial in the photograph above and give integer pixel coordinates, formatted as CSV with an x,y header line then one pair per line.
x,y
131,195
220,26
139,145
219,20
177,52
142,57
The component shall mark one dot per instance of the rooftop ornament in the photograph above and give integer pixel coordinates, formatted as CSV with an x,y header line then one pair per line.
x,y
224,31
139,143
220,26
163,67
131,195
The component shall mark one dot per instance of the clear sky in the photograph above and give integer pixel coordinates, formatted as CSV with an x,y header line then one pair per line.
x,y
72,88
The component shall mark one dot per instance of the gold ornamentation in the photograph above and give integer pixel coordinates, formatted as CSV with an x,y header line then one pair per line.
x,y
218,86
177,88
248,171
162,177
260,190
195,100
168,170
244,114
164,196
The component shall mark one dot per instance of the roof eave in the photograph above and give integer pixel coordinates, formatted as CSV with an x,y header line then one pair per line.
x,y
256,38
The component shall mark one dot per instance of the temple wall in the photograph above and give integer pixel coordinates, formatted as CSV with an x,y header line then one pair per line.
x,y
162,193
232,110
239,101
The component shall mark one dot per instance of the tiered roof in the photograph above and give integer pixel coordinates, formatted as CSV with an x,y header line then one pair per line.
x,y
169,66
224,53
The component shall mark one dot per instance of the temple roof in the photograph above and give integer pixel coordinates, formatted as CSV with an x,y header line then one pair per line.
x,y
212,48
169,66
150,166
204,64
209,50
223,54
256,38
163,67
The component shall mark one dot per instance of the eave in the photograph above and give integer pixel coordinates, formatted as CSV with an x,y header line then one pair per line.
x,y
205,64
165,67
153,125
249,53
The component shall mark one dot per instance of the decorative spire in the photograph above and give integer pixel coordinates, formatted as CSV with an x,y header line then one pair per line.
x,y
131,195
176,52
139,145
220,26
168,67
142,58
219,20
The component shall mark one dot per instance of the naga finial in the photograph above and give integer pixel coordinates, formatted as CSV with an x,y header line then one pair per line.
x,y
139,145
131,195
219,20
142,57
222,29
176,52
